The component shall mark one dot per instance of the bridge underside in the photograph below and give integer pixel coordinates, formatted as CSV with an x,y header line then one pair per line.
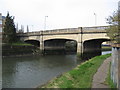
x,y
59,46
56,46
93,47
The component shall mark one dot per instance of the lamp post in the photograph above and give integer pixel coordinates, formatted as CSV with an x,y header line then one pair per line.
x,y
45,23
95,18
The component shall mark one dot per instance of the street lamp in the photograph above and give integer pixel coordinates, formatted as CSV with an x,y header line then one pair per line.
x,y
45,23
95,18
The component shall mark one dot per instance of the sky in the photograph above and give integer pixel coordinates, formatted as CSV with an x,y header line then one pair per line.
x,y
61,13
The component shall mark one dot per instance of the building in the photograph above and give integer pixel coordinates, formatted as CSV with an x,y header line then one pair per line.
x,y
3,21
0,28
0,22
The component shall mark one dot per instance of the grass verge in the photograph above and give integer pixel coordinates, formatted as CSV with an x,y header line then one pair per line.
x,y
106,48
79,77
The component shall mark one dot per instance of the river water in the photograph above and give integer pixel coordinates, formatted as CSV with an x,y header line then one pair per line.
x,y
33,71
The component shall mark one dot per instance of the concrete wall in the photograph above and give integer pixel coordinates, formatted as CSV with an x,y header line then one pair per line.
x,y
115,66
90,36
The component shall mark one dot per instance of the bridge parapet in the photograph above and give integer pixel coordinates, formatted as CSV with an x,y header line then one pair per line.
x,y
34,33
96,28
100,29
56,31
29,33
67,30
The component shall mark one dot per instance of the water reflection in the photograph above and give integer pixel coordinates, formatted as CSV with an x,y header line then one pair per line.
x,y
32,71
88,55
106,52
28,72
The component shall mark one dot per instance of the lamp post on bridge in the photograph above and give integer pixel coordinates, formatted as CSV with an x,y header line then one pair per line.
x,y
95,18
42,42
45,23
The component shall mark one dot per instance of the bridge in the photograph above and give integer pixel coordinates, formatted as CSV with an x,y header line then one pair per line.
x,y
86,38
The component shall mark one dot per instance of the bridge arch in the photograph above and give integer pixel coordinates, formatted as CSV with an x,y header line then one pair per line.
x,y
60,45
61,36
33,42
93,44
92,47
62,39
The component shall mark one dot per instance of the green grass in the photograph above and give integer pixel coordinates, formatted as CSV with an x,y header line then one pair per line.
x,y
79,77
106,48
108,80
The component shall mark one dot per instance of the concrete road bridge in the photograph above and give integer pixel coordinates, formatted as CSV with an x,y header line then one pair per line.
x,y
87,38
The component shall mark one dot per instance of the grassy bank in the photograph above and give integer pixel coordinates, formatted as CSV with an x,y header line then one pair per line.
x,y
18,49
79,77
106,48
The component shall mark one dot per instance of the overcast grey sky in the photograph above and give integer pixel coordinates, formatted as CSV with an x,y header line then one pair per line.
x,y
61,13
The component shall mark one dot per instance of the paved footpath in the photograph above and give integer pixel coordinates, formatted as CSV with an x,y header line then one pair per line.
x,y
101,74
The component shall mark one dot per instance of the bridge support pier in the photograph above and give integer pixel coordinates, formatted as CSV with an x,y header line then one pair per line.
x,y
79,48
41,45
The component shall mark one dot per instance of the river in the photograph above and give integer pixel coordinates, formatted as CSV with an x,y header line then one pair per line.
x,y
33,71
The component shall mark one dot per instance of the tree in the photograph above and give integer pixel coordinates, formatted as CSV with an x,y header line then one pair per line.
x,y
9,30
113,30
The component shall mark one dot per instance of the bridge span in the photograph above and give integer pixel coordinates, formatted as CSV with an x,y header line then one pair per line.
x,y
87,38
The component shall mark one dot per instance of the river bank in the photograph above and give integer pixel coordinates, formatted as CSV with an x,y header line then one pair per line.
x,y
9,50
25,49
79,77
35,70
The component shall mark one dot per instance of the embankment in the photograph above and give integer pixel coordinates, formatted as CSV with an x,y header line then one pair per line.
x,y
18,50
79,77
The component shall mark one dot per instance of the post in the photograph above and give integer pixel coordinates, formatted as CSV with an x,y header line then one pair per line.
x,y
95,18
45,23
